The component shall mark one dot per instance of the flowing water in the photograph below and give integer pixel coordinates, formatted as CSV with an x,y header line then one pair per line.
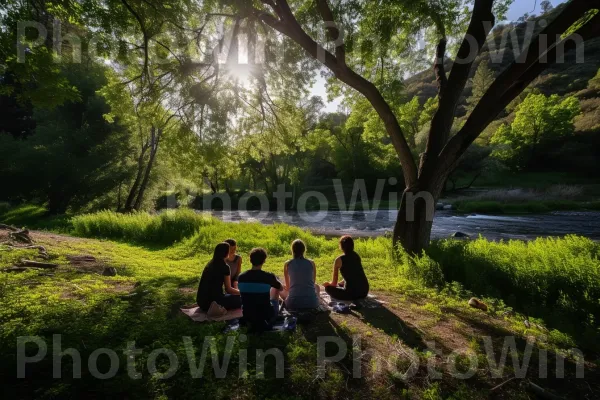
x,y
377,223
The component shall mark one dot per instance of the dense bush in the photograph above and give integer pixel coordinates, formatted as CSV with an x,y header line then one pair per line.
x,y
141,227
558,279
199,232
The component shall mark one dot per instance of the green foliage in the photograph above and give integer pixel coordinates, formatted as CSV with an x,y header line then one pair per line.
x,y
165,228
484,77
73,155
423,269
546,6
409,119
558,279
539,120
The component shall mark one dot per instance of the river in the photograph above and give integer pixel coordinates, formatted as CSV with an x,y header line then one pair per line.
x,y
377,223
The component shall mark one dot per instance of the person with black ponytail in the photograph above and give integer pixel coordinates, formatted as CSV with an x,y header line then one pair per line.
x,y
354,285
215,276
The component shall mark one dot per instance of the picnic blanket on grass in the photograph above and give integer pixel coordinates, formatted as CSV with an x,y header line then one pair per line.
x,y
197,315
326,304
371,301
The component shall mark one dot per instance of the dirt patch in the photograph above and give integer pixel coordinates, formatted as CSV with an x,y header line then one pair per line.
x,y
41,235
86,263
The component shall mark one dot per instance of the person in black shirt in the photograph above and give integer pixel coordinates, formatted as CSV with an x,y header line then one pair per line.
x,y
216,274
260,293
355,285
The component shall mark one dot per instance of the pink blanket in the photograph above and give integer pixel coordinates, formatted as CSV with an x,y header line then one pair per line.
x,y
196,314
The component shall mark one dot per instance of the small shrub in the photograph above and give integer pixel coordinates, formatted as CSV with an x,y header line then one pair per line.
x,y
423,269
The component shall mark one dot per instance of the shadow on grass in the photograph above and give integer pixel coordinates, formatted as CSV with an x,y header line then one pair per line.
x,y
544,367
385,320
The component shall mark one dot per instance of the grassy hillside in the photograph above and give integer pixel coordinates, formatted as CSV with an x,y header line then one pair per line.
x,y
572,154
567,78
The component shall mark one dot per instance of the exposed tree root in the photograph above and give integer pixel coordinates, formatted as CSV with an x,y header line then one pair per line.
x,y
37,264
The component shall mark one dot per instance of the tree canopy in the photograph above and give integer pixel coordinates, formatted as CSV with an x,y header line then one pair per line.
x,y
219,89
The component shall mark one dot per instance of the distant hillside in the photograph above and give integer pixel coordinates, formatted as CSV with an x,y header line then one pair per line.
x,y
568,78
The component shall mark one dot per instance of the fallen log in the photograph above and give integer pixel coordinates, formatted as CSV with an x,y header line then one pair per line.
x,y
37,264
8,228
41,249
78,259
21,236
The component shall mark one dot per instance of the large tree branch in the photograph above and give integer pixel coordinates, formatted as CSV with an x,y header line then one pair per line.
x,y
486,112
288,25
573,11
482,20
334,33
146,38
440,54
438,67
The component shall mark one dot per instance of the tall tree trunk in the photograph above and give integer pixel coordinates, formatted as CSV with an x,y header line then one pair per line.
x,y
415,218
136,183
208,182
119,196
156,134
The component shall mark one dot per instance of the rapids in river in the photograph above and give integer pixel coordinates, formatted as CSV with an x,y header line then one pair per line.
x,y
377,223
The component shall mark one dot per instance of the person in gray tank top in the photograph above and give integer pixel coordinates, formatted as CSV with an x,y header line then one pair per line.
x,y
300,274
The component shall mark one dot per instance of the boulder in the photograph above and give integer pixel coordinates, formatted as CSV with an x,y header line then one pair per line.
x,y
109,271
448,207
460,235
439,206
476,303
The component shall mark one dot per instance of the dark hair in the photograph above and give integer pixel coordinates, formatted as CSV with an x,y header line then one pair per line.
x,y
258,256
221,251
347,244
298,248
231,242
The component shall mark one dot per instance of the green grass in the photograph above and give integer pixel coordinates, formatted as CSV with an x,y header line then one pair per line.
x,y
166,228
532,180
556,279
499,207
554,282
34,217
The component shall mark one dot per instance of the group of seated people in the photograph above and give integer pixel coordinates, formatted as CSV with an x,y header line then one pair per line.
x,y
258,293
